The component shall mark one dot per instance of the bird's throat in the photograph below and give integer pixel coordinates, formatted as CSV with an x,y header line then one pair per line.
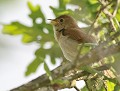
x,y
59,33
62,31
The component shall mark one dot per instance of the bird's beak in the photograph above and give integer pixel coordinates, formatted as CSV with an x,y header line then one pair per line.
x,y
53,21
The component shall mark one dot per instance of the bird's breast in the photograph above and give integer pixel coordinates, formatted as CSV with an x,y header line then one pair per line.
x,y
68,46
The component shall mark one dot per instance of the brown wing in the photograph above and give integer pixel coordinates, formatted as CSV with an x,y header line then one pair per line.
x,y
80,36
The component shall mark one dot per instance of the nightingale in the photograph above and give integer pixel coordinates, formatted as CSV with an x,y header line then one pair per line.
x,y
69,35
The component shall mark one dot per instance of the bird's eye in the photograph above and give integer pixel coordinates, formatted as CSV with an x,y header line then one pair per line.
x,y
61,20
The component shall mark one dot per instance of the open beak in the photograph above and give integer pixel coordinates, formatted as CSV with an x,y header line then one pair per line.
x,y
53,21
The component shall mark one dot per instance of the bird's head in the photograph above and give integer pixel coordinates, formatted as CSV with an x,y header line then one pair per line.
x,y
63,22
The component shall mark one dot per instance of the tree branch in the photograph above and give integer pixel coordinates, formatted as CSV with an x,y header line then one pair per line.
x,y
93,56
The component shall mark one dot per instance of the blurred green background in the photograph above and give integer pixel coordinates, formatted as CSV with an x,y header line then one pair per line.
x,y
27,44
15,55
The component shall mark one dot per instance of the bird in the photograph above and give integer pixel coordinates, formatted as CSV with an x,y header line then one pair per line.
x,y
69,35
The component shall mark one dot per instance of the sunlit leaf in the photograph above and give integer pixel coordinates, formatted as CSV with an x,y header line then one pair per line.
x,y
14,28
111,86
117,15
36,12
27,38
93,1
33,8
85,49
33,66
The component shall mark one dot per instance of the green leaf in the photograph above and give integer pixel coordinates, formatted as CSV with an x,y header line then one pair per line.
x,y
60,11
47,69
85,49
11,29
40,53
27,38
33,66
36,13
53,61
62,8
87,10
110,86
33,8
93,1
118,15
55,54
62,3
84,88
117,87
14,28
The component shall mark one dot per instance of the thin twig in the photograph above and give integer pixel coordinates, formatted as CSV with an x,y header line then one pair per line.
x,y
109,15
76,88
79,75
87,85
116,8
117,23
97,17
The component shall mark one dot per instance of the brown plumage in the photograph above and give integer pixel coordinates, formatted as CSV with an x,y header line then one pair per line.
x,y
69,36
79,36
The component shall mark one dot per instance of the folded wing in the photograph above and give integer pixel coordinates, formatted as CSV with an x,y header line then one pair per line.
x,y
80,36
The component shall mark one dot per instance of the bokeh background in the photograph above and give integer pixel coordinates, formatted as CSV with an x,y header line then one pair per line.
x,y
27,45
14,55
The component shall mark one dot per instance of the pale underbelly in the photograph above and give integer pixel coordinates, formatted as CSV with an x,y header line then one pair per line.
x,y
69,47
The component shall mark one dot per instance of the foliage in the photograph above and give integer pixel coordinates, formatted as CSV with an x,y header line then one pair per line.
x,y
86,13
36,33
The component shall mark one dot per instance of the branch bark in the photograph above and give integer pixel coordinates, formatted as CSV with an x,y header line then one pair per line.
x,y
94,55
